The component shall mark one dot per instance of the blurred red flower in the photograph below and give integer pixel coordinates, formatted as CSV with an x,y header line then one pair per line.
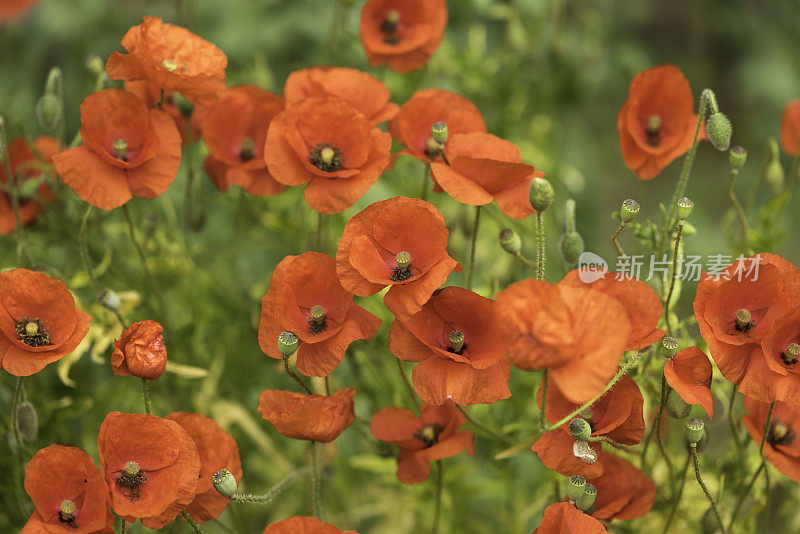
x,y
310,417
304,525
140,351
24,166
790,127
151,94
623,491
564,518
781,447
11,9
689,373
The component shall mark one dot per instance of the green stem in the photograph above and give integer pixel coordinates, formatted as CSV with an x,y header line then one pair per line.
x,y
525,260
22,250
84,248
766,430
659,439
542,419
615,239
275,490
316,484
437,507
14,426
296,378
609,441
477,424
188,519
140,251
473,246
695,463
123,525
409,388
540,247
676,498
423,194
732,422
743,495
737,207
675,254
146,396
161,100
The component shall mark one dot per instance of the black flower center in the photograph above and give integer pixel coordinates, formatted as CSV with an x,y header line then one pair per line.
x,y
246,149
130,480
32,332
389,27
780,433
429,434
327,157
433,148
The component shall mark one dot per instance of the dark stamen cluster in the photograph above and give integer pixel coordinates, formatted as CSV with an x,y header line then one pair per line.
x,y
70,521
780,433
317,328
32,332
787,359
429,434
401,274
389,28
328,166
133,483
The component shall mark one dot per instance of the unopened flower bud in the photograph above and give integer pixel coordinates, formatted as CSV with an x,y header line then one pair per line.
x,y
225,483
94,64
676,406
737,157
109,299
140,351
587,499
669,347
575,487
287,343
571,246
439,132
542,194
48,111
580,429
510,240
694,430
775,176
709,523
718,129
685,207
629,210
27,421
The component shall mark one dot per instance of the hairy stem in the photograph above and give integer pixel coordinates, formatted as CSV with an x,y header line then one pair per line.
x,y
316,484
195,526
737,207
275,490
409,388
473,246
698,476
296,378
676,498
675,254
540,246
615,239
146,396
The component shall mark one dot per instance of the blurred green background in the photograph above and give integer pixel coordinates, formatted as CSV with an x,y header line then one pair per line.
x,y
549,75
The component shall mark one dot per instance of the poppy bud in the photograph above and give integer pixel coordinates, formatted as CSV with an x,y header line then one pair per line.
x,y
737,156
580,429
718,129
743,318
287,343
140,351
456,339
109,299
94,64
439,132
587,499
27,420
582,450
685,207
48,111
676,406
542,194
775,176
629,210
571,246
225,483
709,523
669,347
66,510
694,430
575,487
510,241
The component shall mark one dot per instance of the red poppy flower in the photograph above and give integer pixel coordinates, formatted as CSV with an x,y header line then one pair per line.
x,y
11,9
140,351
151,94
556,450
484,168
737,315
412,126
564,518
790,127
689,373
311,417
657,123
623,492
782,448
68,491
151,467
330,145
641,304
172,58
458,343
217,450
433,435
306,298
128,150
577,333
304,525
24,166
401,243
404,34
235,129
39,323
364,92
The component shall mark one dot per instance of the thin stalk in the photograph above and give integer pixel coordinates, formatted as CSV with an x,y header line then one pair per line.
x,y
737,207
140,251
766,429
22,250
195,526
676,498
14,424
123,525
84,248
744,494
275,490
161,100
146,396
659,440
316,484
423,194
698,476
473,246
615,239
542,420
675,254
525,260
296,378
540,246
609,441
492,432
732,422
437,507
409,388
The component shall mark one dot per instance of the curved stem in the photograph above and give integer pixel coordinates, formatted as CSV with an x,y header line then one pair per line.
x,y
542,419
188,519
657,421
744,494
525,260
675,254
609,441
676,498
409,388
146,396
659,440
140,251
14,424
316,484
11,184
693,453
438,499
275,490
615,241
540,246
737,207
294,376
423,194
766,429
84,248
474,244
494,433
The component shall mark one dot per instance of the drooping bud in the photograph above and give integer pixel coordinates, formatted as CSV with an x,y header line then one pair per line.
x,y
542,194
743,318
94,64
580,429
120,147
48,111
709,524
131,468
718,129
456,339
109,299
737,157
287,343
694,430
403,260
775,176
629,210
439,132
676,406
587,499
510,240
225,483
27,421
66,509
669,347
685,207
571,246
575,487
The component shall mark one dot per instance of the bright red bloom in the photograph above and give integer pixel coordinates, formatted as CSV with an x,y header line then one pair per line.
x,y
782,448
623,492
364,92
404,34
172,58
371,253
304,525
39,323
59,479
330,145
689,373
433,435
790,128
564,518
311,417
11,9
412,125
25,166
579,334
235,130
140,351
458,343
151,467
128,150
657,123
217,450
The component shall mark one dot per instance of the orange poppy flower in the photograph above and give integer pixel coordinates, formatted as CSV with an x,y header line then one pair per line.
x,y
151,467
310,417
657,123
782,448
128,150
458,344
579,334
689,373
790,127
67,490
623,492
484,168
412,125
235,129
330,145
11,9
401,243
25,166
556,451
641,304
39,323
306,298
304,525
140,351
217,450
736,315
433,435
364,92
404,34
564,518
172,58
151,94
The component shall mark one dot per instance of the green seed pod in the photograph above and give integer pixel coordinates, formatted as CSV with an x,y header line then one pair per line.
x,y
694,430
629,210
575,487
775,176
718,129
287,343
571,246
48,112
510,240
676,406
542,194
580,429
439,132
685,207
669,347
224,483
737,157
27,421
587,499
